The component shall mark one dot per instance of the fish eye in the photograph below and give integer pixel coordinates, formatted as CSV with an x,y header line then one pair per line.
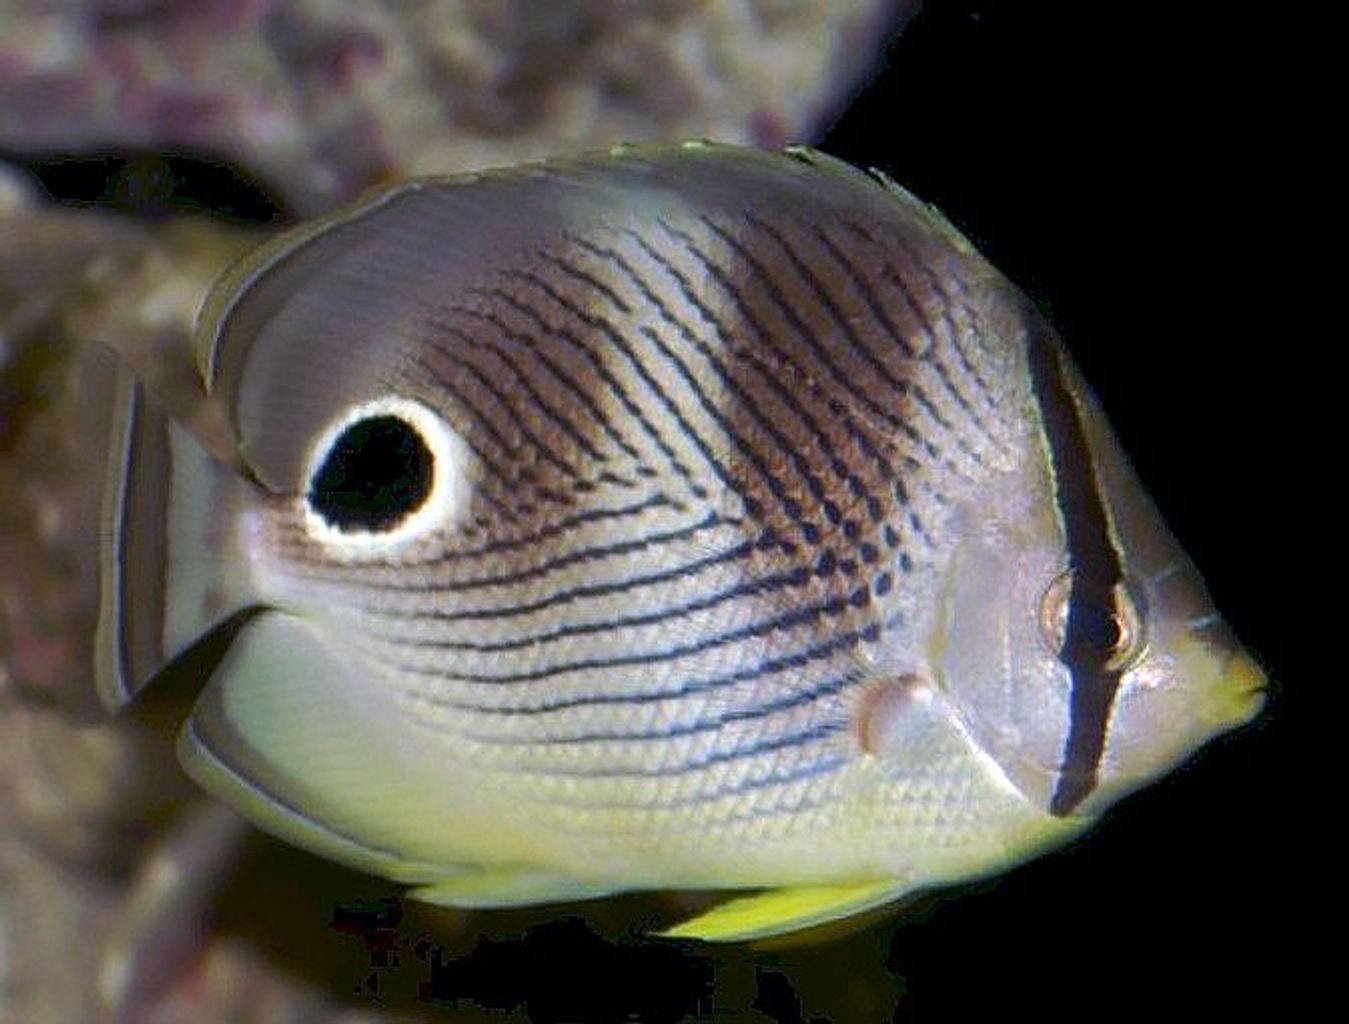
x,y
383,474
1112,635
376,472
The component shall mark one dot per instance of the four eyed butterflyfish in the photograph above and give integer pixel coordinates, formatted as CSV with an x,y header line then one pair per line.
x,y
685,517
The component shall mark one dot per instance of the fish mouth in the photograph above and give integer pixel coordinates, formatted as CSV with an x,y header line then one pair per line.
x,y
1239,683
1241,672
1246,682
1236,684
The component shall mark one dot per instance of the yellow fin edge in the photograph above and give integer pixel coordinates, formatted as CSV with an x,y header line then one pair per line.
x,y
785,910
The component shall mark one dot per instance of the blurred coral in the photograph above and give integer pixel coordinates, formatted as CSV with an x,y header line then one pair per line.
x,y
322,98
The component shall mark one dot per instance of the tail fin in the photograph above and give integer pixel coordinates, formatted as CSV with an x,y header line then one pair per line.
x,y
169,573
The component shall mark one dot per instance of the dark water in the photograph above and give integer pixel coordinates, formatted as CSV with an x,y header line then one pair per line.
x,y
1113,160
1107,158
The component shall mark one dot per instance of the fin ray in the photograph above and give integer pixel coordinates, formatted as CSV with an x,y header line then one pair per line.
x,y
166,578
127,645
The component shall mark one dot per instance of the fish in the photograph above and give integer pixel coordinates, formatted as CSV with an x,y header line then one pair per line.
x,y
671,518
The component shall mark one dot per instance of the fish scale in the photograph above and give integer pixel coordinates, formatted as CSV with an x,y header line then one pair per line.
x,y
738,526
618,284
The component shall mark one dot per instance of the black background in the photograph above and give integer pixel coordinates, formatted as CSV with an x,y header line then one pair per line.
x,y
1113,159
1110,160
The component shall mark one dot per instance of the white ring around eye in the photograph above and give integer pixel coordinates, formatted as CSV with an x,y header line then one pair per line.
x,y
445,505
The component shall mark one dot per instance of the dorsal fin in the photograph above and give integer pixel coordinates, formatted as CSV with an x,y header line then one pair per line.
x,y
325,316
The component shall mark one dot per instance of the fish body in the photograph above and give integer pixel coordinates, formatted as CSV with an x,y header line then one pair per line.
x,y
687,517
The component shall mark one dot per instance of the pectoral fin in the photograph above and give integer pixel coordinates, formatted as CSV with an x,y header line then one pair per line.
x,y
509,889
784,910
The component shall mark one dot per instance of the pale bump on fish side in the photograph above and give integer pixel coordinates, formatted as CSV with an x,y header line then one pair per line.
x,y
678,517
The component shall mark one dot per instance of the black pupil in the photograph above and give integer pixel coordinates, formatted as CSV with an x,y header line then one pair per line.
x,y
376,473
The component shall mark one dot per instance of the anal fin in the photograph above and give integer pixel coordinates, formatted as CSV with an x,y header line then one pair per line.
x,y
306,744
784,910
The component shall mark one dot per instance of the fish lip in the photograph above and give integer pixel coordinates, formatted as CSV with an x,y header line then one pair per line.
x,y
1179,592
1239,663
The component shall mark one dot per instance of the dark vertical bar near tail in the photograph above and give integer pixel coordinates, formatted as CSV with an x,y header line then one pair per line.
x,y
1096,566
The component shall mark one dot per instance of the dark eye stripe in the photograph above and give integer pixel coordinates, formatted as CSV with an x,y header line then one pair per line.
x,y
1096,566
